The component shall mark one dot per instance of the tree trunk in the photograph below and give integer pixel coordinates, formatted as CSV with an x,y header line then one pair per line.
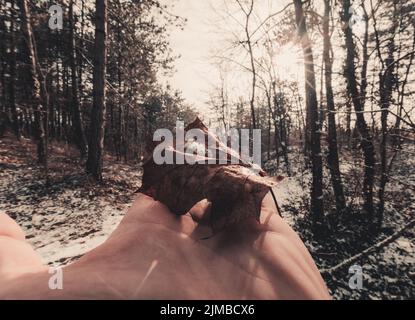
x,y
386,84
317,208
248,14
58,122
38,98
4,117
12,65
348,122
269,131
333,155
65,91
274,120
96,144
78,133
80,58
365,58
279,102
397,140
366,138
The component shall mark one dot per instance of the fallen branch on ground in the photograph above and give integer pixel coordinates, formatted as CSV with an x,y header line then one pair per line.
x,y
369,250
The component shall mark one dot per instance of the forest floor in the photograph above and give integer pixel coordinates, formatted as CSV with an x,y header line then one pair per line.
x,y
389,271
67,215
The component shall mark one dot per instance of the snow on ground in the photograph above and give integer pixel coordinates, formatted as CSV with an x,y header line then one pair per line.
x,y
67,216
287,192
388,273
58,252
62,225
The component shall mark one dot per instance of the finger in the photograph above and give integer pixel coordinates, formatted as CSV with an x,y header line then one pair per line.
x,y
268,219
145,210
146,207
200,212
9,228
17,257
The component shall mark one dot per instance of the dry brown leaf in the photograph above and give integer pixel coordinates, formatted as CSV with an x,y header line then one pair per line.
x,y
235,191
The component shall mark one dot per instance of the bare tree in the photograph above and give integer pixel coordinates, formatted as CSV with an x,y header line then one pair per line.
x,y
387,81
96,143
77,126
4,118
354,94
219,98
333,155
248,41
12,68
402,93
38,90
317,208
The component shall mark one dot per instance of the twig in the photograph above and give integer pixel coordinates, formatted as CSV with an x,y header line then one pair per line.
x,y
369,250
276,203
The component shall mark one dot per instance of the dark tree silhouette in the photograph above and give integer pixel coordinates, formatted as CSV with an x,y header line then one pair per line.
x,y
96,140
317,209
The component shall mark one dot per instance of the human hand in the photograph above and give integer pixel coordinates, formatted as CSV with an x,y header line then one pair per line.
x,y
154,254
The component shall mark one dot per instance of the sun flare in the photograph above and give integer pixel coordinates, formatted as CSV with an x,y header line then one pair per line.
x,y
288,61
